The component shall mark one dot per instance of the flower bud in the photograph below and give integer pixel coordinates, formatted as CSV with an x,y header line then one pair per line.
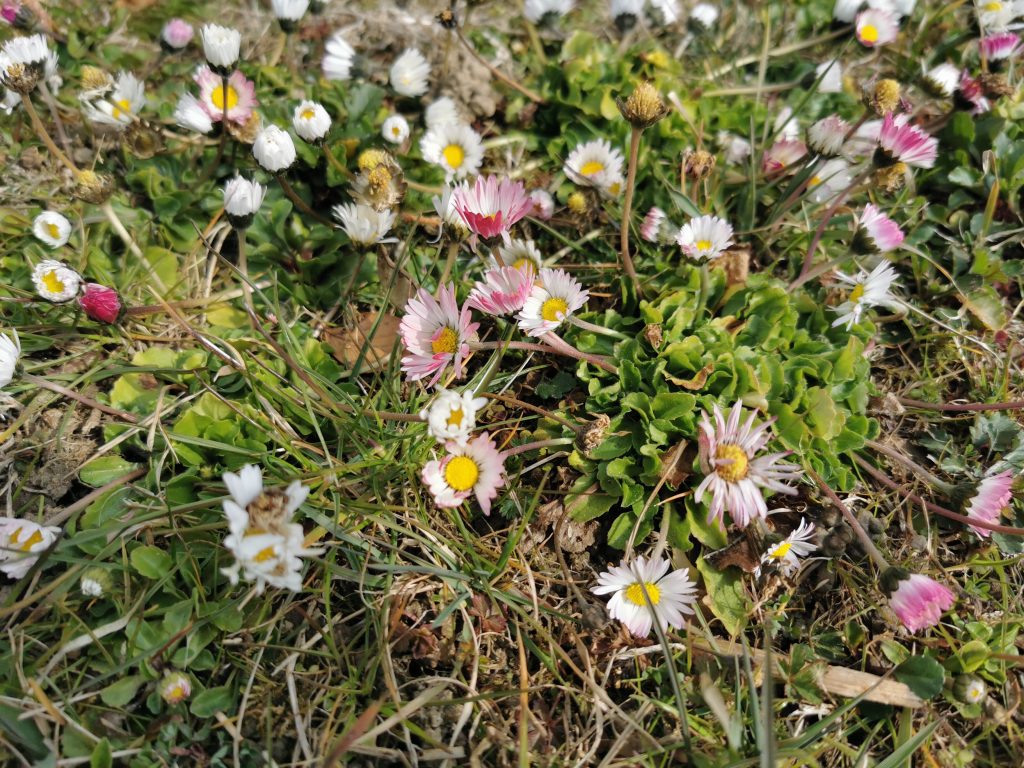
x,y
577,203
644,106
94,187
969,689
95,582
100,303
698,164
175,687
884,98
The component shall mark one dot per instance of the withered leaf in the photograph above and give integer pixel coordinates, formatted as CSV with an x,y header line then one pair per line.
x,y
346,343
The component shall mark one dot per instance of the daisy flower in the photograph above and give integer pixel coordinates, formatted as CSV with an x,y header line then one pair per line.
x,y
543,12
996,16
918,601
452,416
829,75
876,27
991,497
242,199
192,115
364,224
100,303
543,204
444,205
595,164
176,34
175,687
503,291
625,13
656,228
441,112
123,104
10,352
900,142
846,10
827,135
239,99
474,469
288,12
268,547
56,282
52,228
868,290
733,475
664,12
1000,46
455,147
23,60
409,73
788,553
829,180
704,14
21,543
643,591
311,121
395,129
705,237
943,79
339,57
552,300
436,332
782,154
220,46
881,233
520,254
969,95
492,205
274,149
736,148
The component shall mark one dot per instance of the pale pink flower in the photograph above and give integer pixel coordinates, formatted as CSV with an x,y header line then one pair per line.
x,y
900,142
827,135
435,333
503,291
1002,45
733,475
990,499
656,227
875,27
176,34
919,601
543,204
475,468
882,233
240,96
492,205
782,154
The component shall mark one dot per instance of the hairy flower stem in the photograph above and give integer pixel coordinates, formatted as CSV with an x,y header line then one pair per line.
x,y
537,99
40,130
627,206
508,400
912,465
536,446
449,262
1010,405
547,349
851,520
335,163
889,483
243,268
299,202
598,329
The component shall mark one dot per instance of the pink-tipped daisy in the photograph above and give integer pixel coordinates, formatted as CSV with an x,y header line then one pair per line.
x,y
733,475
990,499
491,205
656,228
970,96
705,237
1000,46
239,97
877,231
543,204
476,468
900,142
554,298
781,155
503,291
826,136
643,591
436,333
876,27
918,601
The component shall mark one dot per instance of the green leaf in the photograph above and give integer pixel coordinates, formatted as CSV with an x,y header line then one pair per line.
x,y
105,469
557,386
150,561
922,674
101,755
118,694
726,595
973,655
986,304
220,699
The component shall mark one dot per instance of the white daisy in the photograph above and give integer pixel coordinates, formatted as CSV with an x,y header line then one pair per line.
x,y
52,228
363,224
787,127
268,547
395,129
546,11
21,543
732,473
664,12
56,282
220,46
476,468
452,416
787,553
519,254
191,115
875,27
868,290
996,16
123,104
311,121
409,73
625,12
274,149
289,11
10,102
846,10
441,112
175,687
704,14
10,352
338,57
242,199
736,148
596,164
455,147
826,136
643,591
943,79
554,298
829,180
705,237
829,75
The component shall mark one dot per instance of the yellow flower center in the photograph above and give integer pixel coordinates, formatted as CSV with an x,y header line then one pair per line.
x,y
308,114
122,107
635,593
455,418
554,309
994,6
265,554
461,473
396,130
703,245
454,155
217,97
869,33
736,470
26,545
592,167
614,189
54,231
856,294
447,341
782,550
815,181
176,692
52,282
520,263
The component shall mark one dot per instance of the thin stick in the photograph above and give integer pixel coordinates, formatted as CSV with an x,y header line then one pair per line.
x,y
39,381
1011,405
299,202
851,520
546,349
495,71
529,407
40,130
627,206
243,267
910,464
537,445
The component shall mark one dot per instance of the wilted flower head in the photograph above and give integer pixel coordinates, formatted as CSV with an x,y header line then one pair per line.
x,y
23,62
788,553
643,591
991,497
644,106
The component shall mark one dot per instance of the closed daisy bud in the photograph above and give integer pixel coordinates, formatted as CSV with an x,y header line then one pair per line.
x,y
990,498
884,97
492,205
698,164
242,199
311,122
917,600
970,95
626,13
409,73
644,106
577,203
95,582
176,34
220,46
175,687
52,228
546,12
395,129
100,303
942,80
827,135
94,187
703,17
56,282
10,352
289,12
970,689
274,149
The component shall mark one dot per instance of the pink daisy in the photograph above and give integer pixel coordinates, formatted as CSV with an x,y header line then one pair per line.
x,y
876,27
492,205
782,154
503,291
970,96
240,95
881,233
435,334
1000,46
476,468
917,600
990,499
543,204
900,142
656,228
732,474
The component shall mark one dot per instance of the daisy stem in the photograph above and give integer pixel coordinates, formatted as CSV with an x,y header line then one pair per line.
x,y
495,71
425,188
627,206
584,325
537,445
851,520
40,130
243,267
948,513
840,198
42,383
508,400
1011,405
453,252
912,465
335,163
299,202
547,349
124,234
